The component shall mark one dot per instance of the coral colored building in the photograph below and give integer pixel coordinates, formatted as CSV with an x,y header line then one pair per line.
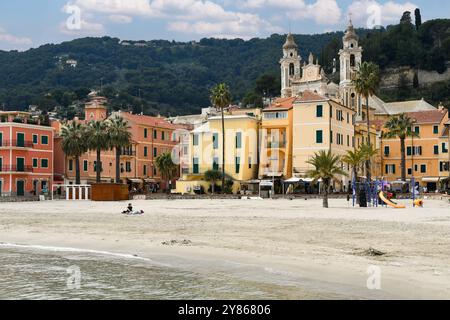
x,y
151,137
26,156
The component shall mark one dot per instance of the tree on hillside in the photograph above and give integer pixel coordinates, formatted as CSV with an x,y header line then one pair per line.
x,y
418,18
268,85
406,18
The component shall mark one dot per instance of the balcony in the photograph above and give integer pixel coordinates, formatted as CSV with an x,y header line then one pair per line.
x,y
16,144
276,145
17,169
127,153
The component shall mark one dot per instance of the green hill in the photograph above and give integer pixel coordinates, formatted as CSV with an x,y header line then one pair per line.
x,y
175,78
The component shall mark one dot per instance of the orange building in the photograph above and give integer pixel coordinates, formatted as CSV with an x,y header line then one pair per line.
x,y
26,155
151,137
427,157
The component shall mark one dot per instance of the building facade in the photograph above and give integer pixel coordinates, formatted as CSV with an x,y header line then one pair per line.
x,y
241,153
26,156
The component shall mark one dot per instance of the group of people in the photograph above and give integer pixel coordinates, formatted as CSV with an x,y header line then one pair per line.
x,y
130,211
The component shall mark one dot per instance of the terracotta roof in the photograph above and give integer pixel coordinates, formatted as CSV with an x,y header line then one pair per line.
x,y
429,116
309,96
281,104
150,121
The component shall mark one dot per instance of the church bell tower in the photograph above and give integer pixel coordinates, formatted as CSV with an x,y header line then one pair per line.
x,y
290,66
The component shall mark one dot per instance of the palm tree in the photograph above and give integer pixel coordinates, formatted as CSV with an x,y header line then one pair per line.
x,y
326,167
221,98
166,166
354,159
213,176
368,151
74,144
399,127
97,139
120,137
366,82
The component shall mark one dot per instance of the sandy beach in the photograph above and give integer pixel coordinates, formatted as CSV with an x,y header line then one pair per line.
x,y
275,241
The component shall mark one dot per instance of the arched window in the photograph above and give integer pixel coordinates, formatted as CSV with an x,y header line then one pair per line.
x,y
352,60
291,69
353,100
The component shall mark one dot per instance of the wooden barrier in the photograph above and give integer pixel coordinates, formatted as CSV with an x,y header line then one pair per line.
x,y
110,192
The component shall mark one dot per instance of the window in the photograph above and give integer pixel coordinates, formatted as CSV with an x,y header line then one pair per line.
x,y
444,166
249,162
155,152
436,149
35,163
195,139
85,165
348,117
145,133
70,165
444,147
163,135
155,134
387,151
238,165
348,141
195,168
155,171
144,169
423,168
1,139
291,69
390,169
20,140
44,140
416,168
409,151
409,171
331,136
331,111
35,139
1,168
145,152
216,164
319,136
44,163
275,115
128,166
238,140
216,141
417,130
436,129
319,111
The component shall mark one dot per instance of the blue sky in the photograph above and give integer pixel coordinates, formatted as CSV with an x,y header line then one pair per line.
x,y
31,23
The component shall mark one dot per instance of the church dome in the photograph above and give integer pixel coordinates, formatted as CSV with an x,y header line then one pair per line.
x,y
350,33
290,42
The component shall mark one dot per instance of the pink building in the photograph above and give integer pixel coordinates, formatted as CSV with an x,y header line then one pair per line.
x,y
26,155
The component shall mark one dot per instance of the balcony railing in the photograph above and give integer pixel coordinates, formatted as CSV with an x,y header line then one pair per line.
x,y
127,153
16,143
17,169
276,145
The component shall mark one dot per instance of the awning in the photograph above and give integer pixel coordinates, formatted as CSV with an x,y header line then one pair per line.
x,y
266,183
398,182
150,180
252,182
430,179
136,180
310,180
293,180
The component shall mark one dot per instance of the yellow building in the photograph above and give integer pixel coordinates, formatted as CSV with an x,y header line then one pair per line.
x,y
320,123
276,140
205,150
427,157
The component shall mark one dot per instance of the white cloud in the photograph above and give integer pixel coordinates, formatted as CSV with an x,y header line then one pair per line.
x,y
12,39
390,12
324,12
201,17
87,28
119,18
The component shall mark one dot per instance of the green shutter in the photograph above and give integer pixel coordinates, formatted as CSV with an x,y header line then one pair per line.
x,y
195,168
85,165
44,163
436,129
216,141
44,139
35,163
238,165
319,136
238,140
319,111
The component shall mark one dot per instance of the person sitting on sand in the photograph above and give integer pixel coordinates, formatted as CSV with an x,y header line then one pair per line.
x,y
129,209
